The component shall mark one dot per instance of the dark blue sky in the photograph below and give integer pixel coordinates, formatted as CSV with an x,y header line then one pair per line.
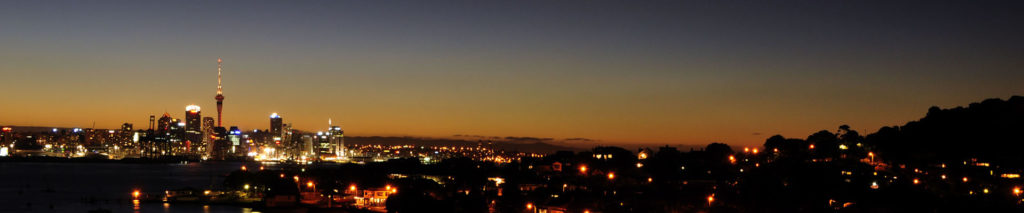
x,y
617,71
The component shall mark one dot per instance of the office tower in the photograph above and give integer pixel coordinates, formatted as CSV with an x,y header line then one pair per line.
x,y
221,145
125,134
208,124
337,140
152,119
275,125
307,145
163,124
193,128
235,137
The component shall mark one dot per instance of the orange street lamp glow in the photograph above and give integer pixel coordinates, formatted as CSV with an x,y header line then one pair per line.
x,y
611,175
754,151
711,199
243,168
965,179
352,188
583,168
136,194
529,206
1016,191
811,146
916,181
309,184
296,178
387,188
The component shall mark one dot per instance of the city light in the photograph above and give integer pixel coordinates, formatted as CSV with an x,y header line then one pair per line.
x,y
309,184
583,169
192,108
529,206
352,187
611,176
1016,191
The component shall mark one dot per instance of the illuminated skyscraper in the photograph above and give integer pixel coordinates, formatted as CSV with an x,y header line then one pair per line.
x,y
152,119
175,137
208,125
276,124
235,138
193,128
164,124
337,139
220,96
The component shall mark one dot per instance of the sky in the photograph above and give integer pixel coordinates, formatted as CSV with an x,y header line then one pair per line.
x,y
672,72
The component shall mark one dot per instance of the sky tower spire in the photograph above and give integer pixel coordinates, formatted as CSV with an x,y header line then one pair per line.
x,y
219,91
220,94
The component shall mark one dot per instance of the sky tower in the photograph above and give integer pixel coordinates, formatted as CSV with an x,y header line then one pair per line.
x,y
220,94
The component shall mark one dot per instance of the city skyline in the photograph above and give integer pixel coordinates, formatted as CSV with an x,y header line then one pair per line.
x,y
673,73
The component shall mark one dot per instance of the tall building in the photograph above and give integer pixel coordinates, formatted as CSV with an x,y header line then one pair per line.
x,y
193,128
175,137
125,134
152,119
208,124
307,145
220,96
221,145
276,125
337,140
235,137
164,123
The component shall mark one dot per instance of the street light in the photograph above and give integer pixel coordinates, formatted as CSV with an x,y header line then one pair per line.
x,y
583,169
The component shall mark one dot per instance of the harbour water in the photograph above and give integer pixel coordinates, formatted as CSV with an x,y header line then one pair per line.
x,y
82,187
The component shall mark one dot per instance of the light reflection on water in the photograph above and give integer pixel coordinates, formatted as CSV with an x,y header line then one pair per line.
x,y
80,187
